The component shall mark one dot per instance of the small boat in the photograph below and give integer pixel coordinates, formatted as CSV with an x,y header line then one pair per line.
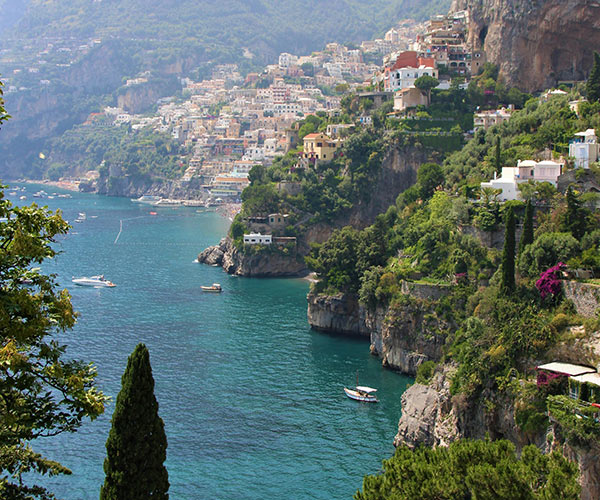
x,y
362,393
215,288
81,217
95,281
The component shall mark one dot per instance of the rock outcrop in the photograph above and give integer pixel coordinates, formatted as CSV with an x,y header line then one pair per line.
x,y
266,263
402,336
535,43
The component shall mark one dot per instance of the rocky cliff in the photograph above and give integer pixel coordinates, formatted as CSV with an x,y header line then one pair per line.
x,y
403,336
265,263
431,416
131,187
535,43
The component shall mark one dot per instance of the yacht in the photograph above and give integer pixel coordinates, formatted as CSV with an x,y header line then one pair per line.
x,y
95,281
166,202
147,198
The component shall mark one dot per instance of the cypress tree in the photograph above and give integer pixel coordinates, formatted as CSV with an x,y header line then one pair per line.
x,y
574,219
527,236
592,85
498,157
137,444
508,254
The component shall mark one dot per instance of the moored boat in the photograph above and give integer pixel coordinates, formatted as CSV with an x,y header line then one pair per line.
x,y
147,198
215,288
95,281
362,393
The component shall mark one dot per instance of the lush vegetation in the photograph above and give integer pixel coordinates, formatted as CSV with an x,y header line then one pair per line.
x,y
134,153
221,31
473,470
43,393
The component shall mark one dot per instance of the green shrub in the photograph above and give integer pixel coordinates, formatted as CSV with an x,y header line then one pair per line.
x,y
425,372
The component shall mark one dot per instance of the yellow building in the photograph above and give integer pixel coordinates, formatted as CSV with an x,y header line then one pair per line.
x,y
320,147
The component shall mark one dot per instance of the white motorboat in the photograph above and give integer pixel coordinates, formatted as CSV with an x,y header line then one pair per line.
x,y
215,288
95,281
147,199
81,217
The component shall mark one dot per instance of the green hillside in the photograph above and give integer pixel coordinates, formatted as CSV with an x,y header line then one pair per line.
x,y
266,27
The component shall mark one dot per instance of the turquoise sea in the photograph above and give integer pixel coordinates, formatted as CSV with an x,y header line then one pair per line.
x,y
252,399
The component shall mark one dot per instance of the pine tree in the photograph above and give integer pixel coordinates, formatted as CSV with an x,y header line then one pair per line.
x,y
137,444
593,83
508,254
527,236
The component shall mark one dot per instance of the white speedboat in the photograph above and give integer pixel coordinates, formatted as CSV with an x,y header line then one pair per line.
x,y
215,288
96,281
362,393
81,217
147,199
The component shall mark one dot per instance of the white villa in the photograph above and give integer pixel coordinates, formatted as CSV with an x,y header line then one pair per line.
x,y
543,171
406,77
258,239
585,148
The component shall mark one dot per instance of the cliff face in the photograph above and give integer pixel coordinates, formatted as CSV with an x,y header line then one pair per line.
x,y
134,188
535,42
403,336
267,264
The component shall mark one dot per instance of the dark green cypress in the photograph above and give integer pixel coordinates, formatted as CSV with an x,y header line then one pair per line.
x,y
508,254
574,219
137,444
592,86
527,236
498,157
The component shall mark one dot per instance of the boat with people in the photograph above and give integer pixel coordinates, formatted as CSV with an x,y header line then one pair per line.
x,y
148,199
362,393
215,288
95,281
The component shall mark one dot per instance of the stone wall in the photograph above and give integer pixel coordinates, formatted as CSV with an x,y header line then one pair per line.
x,y
426,291
585,297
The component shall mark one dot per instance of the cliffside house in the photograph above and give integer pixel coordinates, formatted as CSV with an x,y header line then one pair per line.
x,y
585,387
320,147
585,148
258,239
487,119
543,171
409,98
551,371
406,69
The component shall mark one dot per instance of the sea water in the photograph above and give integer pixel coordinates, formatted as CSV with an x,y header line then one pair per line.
x,y
251,397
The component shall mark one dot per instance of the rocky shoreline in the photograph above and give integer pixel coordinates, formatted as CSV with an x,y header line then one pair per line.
x,y
264,264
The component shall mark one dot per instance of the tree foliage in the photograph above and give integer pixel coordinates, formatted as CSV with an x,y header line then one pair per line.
x,y
42,393
137,444
592,86
527,235
473,470
508,254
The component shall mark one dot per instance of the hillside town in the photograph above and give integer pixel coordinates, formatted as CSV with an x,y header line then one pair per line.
x,y
231,123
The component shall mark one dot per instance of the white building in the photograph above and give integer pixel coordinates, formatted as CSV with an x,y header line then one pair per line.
x,y
286,60
508,182
585,148
406,77
487,119
258,239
